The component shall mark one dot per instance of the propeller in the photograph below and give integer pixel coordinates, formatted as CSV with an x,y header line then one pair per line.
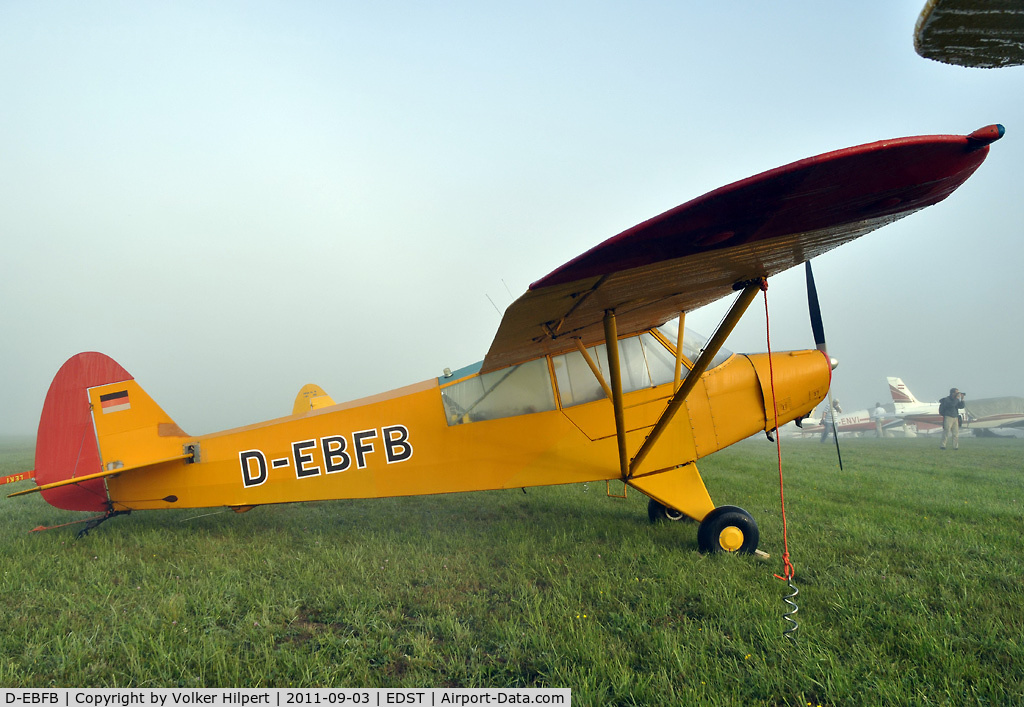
x,y
818,330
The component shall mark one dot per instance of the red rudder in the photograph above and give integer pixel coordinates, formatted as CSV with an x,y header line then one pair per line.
x,y
66,444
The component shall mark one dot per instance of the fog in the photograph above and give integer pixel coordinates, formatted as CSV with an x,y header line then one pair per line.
x,y
233,200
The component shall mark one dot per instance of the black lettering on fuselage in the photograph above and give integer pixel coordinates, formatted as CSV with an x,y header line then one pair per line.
x,y
361,448
335,457
396,443
336,454
302,459
245,459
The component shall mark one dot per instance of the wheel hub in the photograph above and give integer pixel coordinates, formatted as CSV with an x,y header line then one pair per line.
x,y
731,538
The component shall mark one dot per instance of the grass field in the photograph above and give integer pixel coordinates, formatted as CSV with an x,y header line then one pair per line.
x,y
909,565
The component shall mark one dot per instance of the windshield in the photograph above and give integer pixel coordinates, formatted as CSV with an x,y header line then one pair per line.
x,y
693,342
516,390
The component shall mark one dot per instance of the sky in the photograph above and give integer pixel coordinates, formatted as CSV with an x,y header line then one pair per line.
x,y
234,199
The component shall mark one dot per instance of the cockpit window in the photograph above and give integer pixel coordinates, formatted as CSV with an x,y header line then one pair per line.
x,y
517,390
643,360
693,343
660,361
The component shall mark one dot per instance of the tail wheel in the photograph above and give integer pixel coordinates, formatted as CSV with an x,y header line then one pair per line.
x,y
728,529
658,512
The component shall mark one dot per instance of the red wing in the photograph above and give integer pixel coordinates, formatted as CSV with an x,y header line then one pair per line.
x,y
693,254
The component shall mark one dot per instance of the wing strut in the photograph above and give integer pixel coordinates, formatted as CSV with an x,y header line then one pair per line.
x,y
750,290
611,340
679,351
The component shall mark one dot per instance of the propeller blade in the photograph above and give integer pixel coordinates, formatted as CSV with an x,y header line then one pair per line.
x,y
818,329
835,430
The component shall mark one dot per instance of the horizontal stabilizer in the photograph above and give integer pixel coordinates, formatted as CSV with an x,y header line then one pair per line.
x,y
98,475
14,478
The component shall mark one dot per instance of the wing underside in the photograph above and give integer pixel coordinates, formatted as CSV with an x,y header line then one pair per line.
x,y
695,253
985,34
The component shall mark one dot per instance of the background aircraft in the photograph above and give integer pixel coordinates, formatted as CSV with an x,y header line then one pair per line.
x,y
981,414
909,408
857,421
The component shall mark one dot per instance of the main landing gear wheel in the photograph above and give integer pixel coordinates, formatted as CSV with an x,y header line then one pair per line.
x,y
728,529
658,512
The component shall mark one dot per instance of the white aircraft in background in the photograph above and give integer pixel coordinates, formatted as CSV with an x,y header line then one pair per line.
x,y
857,421
982,414
910,408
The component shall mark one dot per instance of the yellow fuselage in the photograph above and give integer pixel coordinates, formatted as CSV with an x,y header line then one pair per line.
x,y
402,443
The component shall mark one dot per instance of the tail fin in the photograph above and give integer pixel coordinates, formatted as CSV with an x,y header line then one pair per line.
x,y
899,391
311,397
96,418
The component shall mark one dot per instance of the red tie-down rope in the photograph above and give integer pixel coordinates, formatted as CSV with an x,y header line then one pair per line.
x,y
789,599
787,564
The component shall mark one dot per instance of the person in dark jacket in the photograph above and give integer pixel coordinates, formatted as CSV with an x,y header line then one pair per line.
x,y
949,408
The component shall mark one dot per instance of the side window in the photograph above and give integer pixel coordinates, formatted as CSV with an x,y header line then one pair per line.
x,y
576,382
644,362
693,343
634,365
517,390
661,363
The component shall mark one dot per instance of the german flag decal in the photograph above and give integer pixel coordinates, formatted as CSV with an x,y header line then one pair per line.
x,y
115,402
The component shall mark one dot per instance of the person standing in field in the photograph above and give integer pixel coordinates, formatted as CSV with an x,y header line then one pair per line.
x,y
878,414
949,408
828,419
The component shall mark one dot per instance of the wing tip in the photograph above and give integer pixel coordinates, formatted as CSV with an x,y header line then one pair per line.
x,y
986,135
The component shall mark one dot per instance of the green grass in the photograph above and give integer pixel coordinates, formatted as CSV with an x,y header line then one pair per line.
x,y
909,565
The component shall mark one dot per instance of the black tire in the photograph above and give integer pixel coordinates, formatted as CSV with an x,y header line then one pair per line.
x,y
728,529
658,512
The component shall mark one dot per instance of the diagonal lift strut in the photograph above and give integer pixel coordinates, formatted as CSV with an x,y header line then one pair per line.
x,y
627,466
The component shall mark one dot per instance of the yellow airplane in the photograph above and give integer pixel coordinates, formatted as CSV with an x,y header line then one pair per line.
x,y
591,376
